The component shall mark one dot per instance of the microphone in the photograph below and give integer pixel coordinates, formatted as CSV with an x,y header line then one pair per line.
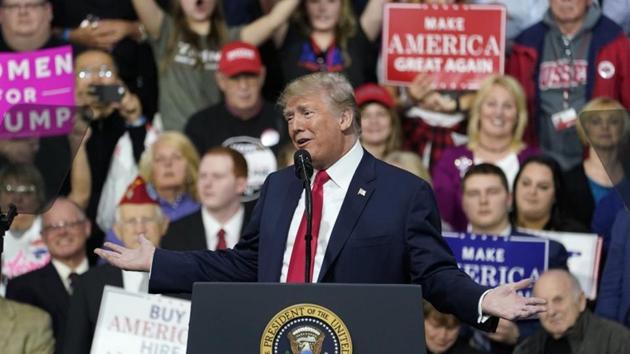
x,y
304,170
303,164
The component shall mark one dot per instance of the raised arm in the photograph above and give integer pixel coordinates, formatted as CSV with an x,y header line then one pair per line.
x,y
151,16
372,18
275,21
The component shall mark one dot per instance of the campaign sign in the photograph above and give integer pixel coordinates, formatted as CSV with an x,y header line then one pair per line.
x,y
130,322
584,256
458,45
495,260
36,93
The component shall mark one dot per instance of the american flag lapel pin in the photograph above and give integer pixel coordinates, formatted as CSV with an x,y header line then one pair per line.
x,y
361,192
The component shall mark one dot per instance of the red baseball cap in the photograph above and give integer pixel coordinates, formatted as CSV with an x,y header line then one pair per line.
x,y
239,57
370,92
137,193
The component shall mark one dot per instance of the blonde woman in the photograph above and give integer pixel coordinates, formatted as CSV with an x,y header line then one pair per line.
x,y
169,168
498,118
602,123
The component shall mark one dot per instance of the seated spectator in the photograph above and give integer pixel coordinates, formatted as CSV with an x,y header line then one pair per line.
x,y
326,36
380,125
186,46
169,166
65,231
539,195
24,250
25,329
442,333
486,200
613,300
602,123
498,119
139,218
408,161
112,124
567,325
218,225
576,39
26,26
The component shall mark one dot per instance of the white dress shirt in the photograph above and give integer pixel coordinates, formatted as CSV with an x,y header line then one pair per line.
x,y
64,271
341,173
137,282
232,228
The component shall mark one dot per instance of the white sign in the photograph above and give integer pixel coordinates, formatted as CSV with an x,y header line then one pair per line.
x,y
134,323
584,255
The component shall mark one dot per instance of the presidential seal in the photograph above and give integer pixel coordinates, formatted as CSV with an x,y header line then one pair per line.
x,y
306,329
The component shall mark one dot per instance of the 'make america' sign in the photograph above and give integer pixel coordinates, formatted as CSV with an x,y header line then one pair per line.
x,y
459,45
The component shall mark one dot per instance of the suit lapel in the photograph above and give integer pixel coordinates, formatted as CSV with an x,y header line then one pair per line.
x,y
360,190
291,199
54,287
198,240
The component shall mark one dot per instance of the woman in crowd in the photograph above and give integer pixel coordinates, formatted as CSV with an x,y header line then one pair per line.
x,y
325,35
441,333
380,126
539,192
600,128
170,168
408,161
186,46
495,130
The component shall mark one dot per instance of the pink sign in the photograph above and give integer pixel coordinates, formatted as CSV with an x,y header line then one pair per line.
x,y
36,93
459,45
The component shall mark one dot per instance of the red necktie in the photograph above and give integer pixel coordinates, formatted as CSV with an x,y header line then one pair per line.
x,y
296,265
221,245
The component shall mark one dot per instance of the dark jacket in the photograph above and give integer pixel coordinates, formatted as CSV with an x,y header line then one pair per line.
x,y
590,334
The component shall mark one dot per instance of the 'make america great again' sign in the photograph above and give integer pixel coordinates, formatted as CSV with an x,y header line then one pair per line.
x,y
459,45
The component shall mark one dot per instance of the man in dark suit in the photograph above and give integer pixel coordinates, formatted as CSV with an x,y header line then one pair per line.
x,y
65,231
377,224
221,182
137,214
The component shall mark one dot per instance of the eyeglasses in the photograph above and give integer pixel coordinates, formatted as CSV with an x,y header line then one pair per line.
x,y
103,72
20,188
29,6
61,226
144,220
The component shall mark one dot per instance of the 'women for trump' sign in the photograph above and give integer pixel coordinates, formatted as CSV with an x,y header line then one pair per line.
x,y
459,45
36,93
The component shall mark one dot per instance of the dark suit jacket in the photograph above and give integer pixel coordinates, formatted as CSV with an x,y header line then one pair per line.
x,y
84,306
389,234
188,234
43,288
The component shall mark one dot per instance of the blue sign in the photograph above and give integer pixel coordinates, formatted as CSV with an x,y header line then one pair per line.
x,y
497,260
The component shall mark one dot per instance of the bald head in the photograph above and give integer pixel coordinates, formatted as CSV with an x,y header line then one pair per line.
x,y
565,301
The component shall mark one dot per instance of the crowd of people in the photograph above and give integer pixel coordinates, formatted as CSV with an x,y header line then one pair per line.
x,y
182,155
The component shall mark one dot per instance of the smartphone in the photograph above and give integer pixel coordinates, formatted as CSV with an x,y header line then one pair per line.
x,y
108,93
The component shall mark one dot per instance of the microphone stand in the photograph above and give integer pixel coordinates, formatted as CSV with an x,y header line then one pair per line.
x,y
308,237
5,224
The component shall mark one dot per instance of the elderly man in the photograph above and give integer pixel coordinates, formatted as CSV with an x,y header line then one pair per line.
x,y
568,326
65,230
574,54
138,214
218,224
373,223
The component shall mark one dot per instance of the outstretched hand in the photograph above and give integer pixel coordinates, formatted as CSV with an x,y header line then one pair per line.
x,y
505,302
138,259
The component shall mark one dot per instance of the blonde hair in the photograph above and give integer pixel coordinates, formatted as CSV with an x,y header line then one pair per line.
x,y
515,89
596,106
334,86
182,144
410,162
